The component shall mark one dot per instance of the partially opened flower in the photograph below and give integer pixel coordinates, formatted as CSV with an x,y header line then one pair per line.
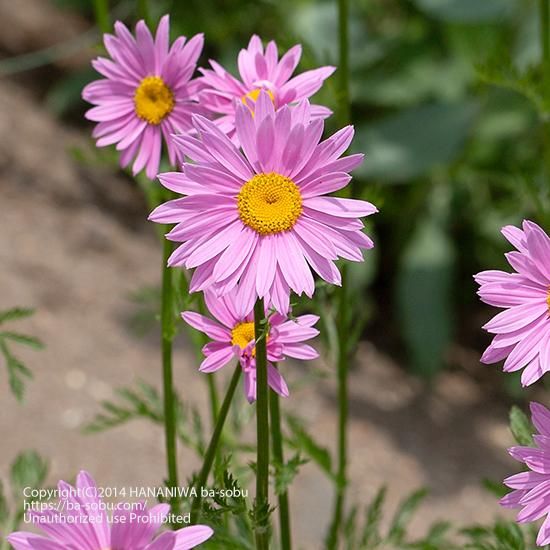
x,y
260,70
531,489
523,329
233,339
81,523
257,218
147,93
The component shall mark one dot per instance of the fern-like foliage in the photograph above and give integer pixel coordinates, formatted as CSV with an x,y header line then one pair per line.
x,y
17,370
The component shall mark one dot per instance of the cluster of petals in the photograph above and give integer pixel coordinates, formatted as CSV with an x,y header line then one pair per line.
x,y
133,61
232,337
531,489
81,523
522,330
228,253
259,70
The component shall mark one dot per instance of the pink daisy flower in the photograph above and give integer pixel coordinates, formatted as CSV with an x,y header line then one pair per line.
x,y
147,93
522,330
260,70
82,524
257,217
233,338
532,488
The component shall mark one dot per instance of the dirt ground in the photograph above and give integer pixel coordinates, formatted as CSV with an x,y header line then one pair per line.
x,y
74,243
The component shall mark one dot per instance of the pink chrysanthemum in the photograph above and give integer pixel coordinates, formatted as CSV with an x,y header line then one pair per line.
x,y
532,488
260,70
234,339
523,329
82,524
258,217
147,94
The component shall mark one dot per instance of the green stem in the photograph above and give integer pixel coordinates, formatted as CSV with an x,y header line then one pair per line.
x,y
278,458
262,429
101,11
213,445
167,336
143,11
344,319
544,16
343,64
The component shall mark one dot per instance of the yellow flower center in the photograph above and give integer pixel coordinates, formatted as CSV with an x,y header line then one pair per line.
x,y
548,300
255,94
242,334
269,203
153,100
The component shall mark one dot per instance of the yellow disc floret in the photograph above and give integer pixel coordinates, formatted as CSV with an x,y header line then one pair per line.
x,y
153,100
242,334
548,300
255,94
269,203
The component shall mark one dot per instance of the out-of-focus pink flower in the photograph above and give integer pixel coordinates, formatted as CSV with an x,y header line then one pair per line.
x,y
233,338
260,69
522,330
81,523
147,94
531,489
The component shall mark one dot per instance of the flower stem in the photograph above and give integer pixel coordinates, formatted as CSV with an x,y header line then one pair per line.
x,y
101,11
262,429
213,445
344,318
143,11
277,442
167,336
544,21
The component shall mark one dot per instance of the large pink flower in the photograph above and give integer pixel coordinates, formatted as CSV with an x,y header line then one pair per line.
x,y
523,329
233,337
531,489
147,93
260,70
257,218
79,522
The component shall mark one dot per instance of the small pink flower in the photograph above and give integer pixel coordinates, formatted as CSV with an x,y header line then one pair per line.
x,y
532,488
233,338
260,70
147,93
81,523
523,329
258,218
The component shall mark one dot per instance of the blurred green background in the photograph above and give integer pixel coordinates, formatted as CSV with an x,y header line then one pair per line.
x,y
449,108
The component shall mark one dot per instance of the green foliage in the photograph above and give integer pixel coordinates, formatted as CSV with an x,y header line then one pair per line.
x,y
521,427
301,440
424,290
467,11
28,469
144,402
284,474
371,535
17,370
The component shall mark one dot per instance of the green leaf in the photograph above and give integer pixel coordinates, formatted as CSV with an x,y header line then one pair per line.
x,y
301,440
370,537
4,510
23,339
29,469
284,474
15,314
404,514
521,427
408,144
467,11
424,294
